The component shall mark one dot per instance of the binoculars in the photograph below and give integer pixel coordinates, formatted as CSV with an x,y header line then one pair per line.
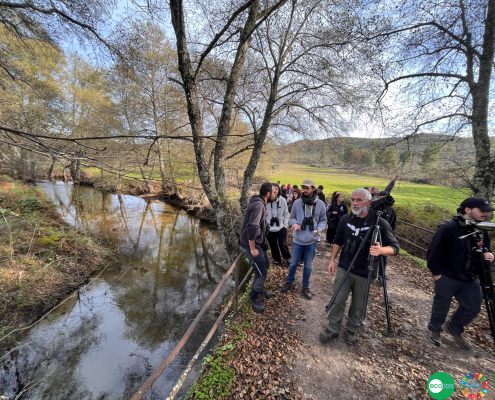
x,y
274,221
308,221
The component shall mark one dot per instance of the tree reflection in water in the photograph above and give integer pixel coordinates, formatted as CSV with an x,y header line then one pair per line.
x,y
110,340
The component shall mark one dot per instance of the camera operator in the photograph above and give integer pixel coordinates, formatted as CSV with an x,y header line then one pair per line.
x,y
350,233
278,219
253,242
451,262
308,218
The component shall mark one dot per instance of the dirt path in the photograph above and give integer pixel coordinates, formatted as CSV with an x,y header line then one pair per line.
x,y
382,367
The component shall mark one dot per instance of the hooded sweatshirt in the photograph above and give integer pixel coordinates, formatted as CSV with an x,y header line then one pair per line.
x,y
299,212
278,209
448,255
254,224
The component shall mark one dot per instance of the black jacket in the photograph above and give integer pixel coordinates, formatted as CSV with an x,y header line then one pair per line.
x,y
254,224
321,196
334,219
352,227
390,215
447,254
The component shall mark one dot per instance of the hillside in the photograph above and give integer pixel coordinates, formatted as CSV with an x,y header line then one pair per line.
x,y
328,150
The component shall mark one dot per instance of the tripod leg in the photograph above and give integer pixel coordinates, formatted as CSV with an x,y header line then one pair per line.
x,y
351,266
374,238
365,306
338,290
385,296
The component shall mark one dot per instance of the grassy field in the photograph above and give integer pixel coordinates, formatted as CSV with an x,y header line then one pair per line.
x,y
405,193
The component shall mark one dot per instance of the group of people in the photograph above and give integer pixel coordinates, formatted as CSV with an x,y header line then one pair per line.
x,y
268,218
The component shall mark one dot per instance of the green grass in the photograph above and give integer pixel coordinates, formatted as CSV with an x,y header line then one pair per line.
x,y
405,193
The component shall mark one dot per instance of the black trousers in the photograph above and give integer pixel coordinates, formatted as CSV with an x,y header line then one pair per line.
x,y
467,294
278,240
260,265
331,234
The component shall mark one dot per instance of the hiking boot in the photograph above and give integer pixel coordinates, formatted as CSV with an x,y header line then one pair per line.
x,y
257,305
286,287
300,263
317,253
459,340
434,337
288,261
276,263
267,294
328,336
351,338
307,293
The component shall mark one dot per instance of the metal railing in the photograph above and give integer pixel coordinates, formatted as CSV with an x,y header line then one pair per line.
x,y
413,238
163,366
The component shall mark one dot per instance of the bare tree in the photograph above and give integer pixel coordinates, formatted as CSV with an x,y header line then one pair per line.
x,y
436,65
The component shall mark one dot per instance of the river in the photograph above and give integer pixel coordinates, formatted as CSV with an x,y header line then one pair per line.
x,y
106,342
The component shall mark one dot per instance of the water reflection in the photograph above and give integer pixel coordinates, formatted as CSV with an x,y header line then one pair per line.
x,y
105,343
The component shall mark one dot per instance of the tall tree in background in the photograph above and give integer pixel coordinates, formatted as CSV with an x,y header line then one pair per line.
x,y
234,28
441,74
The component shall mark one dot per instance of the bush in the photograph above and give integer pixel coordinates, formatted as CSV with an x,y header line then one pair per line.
x,y
29,204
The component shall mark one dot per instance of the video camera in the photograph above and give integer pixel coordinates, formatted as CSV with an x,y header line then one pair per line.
x,y
382,204
483,226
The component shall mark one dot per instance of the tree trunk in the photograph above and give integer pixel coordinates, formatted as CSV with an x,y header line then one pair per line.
x,y
50,170
484,167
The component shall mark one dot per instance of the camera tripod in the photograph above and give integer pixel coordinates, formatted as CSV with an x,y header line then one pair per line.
x,y
485,275
374,233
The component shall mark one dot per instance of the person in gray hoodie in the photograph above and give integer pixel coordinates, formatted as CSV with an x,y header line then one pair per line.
x,y
308,218
278,219
254,245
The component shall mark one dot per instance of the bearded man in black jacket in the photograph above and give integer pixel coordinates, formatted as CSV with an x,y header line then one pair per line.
x,y
448,257
353,228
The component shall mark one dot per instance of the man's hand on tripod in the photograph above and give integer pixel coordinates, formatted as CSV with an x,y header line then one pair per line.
x,y
378,250
488,257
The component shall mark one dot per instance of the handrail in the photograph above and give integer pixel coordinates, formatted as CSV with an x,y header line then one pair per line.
x,y
213,329
416,226
165,363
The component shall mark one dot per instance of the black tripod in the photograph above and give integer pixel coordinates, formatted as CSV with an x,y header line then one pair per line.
x,y
374,232
484,272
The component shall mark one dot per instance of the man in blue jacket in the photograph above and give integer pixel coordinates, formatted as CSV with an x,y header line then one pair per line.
x,y
308,218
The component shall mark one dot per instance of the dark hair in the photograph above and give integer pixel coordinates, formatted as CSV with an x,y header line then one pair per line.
x,y
299,194
265,188
295,187
283,187
367,188
279,193
461,210
335,196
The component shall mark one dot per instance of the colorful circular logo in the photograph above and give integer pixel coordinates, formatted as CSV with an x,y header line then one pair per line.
x,y
474,385
441,386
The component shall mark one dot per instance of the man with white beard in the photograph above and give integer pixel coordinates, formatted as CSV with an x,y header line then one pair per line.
x,y
351,231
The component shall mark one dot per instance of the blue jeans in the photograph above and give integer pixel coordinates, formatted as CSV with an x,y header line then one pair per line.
x,y
309,254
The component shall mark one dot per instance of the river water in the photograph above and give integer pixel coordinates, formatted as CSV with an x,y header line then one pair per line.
x,y
104,344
